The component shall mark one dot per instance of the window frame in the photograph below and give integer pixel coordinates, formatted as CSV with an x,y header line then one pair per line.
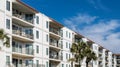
x,y
8,5
7,23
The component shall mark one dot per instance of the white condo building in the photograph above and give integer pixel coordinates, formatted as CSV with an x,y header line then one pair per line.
x,y
39,41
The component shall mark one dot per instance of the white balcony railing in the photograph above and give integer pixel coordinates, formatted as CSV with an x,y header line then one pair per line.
x,y
23,51
23,34
23,16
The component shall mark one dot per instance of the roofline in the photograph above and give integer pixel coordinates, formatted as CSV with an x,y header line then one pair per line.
x,y
56,22
117,54
79,34
27,6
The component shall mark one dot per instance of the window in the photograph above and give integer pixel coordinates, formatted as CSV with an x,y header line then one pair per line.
x,y
46,51
66,33
66,65
69,56
47,24
37,49
47,38
37,34
62,44
8,5
62,65
95,47
66,44
66,56
8,60
69,35
69,45
69,65
47,64
61,56
61,33
37,19
7,23
37,63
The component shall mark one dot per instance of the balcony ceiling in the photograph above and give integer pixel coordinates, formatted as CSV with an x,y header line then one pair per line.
x,y
20,38
19,55
55,24
54,60
22,22
23,8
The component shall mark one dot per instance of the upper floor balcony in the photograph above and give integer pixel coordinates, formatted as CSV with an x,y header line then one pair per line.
x,y
77,38
54,56
22,33
55,44
100,52
117,57
20,18
100,58
55,29
118,61
113,61
24,50
106,64
23,13
54,64
100,64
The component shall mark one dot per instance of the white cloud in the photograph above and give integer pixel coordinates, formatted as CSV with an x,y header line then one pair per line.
x,y
101,32
74,21
97,4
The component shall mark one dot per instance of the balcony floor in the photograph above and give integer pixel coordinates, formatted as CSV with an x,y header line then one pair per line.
x,y
20,55
20,38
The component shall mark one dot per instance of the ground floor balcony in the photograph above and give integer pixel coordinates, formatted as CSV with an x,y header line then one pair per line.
x,y
18,62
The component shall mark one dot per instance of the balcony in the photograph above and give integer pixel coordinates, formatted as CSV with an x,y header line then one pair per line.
x,y
55,29
55,44
23,65
106,55
77,38
54,32
23,18
21,33
100,64
100,58
118,57
54,56
18,62
22,50
53,64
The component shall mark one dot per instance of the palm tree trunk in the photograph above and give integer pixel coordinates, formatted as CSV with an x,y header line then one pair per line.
x,y
72,64
86,64
79,63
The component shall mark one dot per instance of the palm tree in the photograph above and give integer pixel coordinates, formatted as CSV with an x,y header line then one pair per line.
x,y
72,60
4,38
77,50
90,55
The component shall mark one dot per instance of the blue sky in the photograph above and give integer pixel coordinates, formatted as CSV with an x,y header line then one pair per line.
x,y
98,20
